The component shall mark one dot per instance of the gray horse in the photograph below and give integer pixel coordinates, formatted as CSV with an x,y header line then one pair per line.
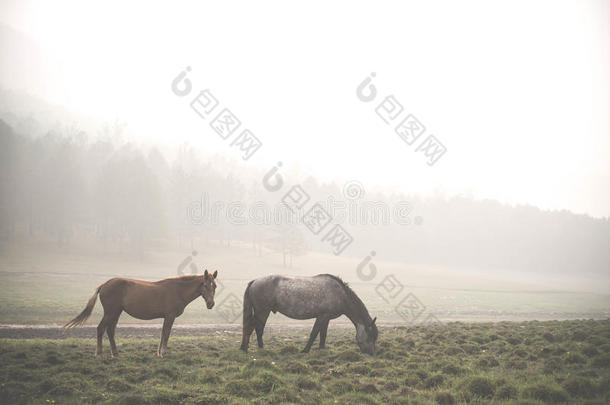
x,y
323,297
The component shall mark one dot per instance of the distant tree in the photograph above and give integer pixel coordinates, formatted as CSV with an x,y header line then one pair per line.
x,y
287,240
128,201
10,153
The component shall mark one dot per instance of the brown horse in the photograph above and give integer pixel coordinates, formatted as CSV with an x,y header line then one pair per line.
x,y
146,300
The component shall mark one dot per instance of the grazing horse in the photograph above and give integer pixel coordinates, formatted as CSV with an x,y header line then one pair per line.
x,y
146,300
323,297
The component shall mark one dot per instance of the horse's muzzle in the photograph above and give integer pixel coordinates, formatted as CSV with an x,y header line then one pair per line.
x,y
210,306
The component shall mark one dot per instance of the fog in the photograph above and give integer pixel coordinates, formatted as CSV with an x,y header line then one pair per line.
x,y
275,139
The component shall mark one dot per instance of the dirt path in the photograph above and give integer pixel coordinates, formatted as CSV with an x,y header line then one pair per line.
x,y
147,330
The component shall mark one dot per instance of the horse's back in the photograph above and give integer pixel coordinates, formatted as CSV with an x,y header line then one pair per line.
x,y
136,297
120,284
299,297
270,285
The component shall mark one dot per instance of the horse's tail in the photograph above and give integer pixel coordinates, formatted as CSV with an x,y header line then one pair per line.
x,y
248,307
82,317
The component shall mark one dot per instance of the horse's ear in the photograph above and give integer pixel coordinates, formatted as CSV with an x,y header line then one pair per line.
x,y
215,274
205,273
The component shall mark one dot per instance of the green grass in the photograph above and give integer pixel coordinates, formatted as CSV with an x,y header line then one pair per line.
x,y
519,363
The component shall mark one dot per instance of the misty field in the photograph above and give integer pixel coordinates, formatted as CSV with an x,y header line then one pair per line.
x,y
40,286
521,363
451,363
507,362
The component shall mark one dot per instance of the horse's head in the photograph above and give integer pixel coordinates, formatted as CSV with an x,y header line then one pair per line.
x,y
366,336
208,288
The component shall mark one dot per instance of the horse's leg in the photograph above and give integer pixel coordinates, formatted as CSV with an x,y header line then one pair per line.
x,y
111,329
167,327
261,320
248,328
162,337
169,330
101,328
314,334
323,330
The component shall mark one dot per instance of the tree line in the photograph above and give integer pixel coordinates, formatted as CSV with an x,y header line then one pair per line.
x,y
65,186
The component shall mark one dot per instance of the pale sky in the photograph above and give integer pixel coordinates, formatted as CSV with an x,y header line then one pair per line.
x,y
518,91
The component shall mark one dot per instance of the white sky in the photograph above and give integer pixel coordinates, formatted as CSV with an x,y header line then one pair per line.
x,y
518,91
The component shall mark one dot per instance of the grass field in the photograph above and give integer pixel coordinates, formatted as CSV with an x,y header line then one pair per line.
x,y
520,363
515,362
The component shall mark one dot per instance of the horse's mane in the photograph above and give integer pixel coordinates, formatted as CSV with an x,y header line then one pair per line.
x,y
351,294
